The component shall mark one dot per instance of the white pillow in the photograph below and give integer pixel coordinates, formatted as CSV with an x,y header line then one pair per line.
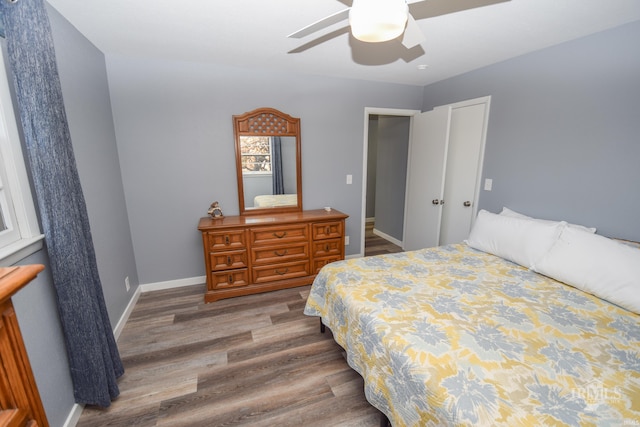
x,y
519,240
597,265
514,214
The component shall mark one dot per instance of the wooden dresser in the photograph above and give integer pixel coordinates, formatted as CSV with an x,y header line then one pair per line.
x,y
20,403
258,253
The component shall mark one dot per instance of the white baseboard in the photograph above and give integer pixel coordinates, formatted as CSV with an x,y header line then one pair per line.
x,y
387,237
170,284
127,312
74,416
152,287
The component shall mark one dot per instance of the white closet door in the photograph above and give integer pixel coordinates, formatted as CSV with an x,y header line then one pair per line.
x,y
425,178
466,138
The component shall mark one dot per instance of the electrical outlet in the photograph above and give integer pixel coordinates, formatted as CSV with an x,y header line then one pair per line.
x,y
346,240
488,184
126,283
349,179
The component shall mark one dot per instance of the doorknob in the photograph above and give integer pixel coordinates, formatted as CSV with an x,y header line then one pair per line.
x,y
435,201
467,204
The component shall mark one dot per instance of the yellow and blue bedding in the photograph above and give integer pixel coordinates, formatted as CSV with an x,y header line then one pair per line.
x,y
269,200
452,336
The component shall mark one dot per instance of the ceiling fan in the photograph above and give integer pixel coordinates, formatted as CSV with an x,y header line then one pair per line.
x,y
382,20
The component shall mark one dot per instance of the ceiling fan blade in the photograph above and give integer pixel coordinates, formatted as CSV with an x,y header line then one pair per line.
x,y
319,25
413,35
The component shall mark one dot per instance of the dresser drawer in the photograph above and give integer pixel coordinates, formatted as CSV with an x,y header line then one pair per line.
x,y
326,230
226,240
288,270
228,260
278,235
261,252
280,254
229,279
318,263
329,247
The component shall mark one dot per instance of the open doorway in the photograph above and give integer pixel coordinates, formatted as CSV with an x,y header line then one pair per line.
x,y
386,142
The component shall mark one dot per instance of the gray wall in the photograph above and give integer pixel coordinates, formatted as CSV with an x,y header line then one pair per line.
x,y
391,174
86,95
562,140
255,185
175,138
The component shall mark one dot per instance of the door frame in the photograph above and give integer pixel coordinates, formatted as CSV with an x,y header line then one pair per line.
x,y
365,154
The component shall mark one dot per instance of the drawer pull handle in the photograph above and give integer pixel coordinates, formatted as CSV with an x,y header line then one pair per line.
x,y
281,253
227,240
228,260
280,236
327,230
230,278
326,248
281,272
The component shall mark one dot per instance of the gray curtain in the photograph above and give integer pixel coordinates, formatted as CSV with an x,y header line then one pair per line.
x,y
94,360
276,165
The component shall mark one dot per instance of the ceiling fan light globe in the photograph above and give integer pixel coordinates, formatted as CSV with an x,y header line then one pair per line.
x,y
378,20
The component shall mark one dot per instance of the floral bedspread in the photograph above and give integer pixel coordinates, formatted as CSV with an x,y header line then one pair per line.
x,y
455,336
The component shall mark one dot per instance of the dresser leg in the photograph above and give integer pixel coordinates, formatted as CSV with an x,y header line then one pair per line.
x,y
322,327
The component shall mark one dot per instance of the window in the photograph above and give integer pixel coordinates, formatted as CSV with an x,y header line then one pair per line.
x,y
8,232
19,232
256,154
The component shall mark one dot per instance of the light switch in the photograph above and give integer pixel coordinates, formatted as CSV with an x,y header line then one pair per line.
x,y
488,183
349,179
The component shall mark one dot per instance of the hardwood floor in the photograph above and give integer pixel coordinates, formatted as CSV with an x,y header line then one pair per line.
x,y
376,245
255,360
248,361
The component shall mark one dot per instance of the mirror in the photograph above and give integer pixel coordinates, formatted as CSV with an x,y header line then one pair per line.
x,y
268,162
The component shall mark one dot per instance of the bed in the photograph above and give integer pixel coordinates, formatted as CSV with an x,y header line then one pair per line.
x,y
269,200
456,336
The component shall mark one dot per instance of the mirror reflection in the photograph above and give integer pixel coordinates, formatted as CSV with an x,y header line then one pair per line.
x,y
269,172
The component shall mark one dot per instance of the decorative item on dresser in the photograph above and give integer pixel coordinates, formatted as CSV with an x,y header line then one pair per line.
x,y
258,253
215,211
20,403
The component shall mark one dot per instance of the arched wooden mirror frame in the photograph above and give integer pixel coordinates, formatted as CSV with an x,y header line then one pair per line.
x,y
267,122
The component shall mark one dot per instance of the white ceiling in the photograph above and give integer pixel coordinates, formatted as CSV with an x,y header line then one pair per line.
x,y
253,33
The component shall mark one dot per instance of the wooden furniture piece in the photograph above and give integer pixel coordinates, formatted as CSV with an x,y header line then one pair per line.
x,y
258,253
273,245
267,125
20,403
